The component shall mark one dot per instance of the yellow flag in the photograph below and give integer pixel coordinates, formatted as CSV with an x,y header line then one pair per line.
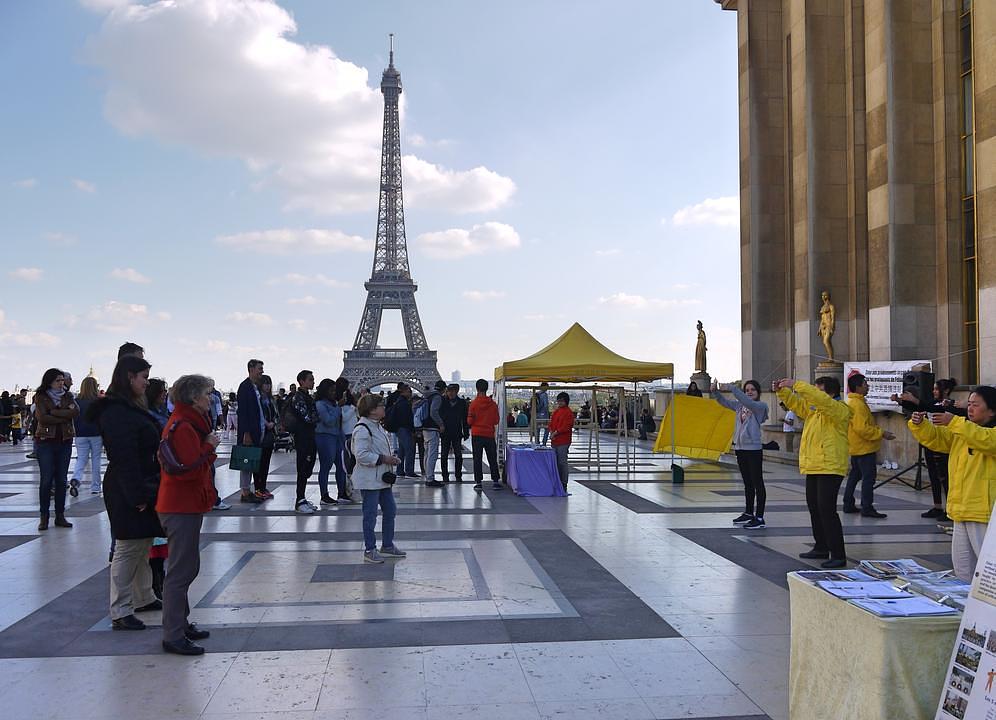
x,y
704,429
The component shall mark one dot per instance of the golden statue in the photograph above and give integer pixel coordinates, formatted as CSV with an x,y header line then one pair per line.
x,y
828,323
700,350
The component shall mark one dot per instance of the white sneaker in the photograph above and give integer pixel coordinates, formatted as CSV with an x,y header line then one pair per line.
x,y
222,505
304,507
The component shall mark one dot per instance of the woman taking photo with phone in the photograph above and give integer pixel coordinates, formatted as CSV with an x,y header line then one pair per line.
x,y
971,447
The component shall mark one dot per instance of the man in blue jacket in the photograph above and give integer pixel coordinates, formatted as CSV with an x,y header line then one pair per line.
x,y
251,424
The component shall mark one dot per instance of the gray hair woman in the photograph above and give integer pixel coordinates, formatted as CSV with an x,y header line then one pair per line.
x,y
186,493
374,459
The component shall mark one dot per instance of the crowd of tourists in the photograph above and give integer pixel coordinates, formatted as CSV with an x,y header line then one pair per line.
x,y
161,445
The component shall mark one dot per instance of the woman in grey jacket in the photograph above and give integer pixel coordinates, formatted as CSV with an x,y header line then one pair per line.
x,y
372,449
751,415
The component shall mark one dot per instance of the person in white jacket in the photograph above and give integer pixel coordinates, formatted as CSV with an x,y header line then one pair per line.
x,y
374,459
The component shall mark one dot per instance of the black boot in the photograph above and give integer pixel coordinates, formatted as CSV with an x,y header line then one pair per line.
x,y
60,521
43,522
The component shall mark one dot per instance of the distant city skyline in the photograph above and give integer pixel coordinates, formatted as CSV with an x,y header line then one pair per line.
x,y
220,203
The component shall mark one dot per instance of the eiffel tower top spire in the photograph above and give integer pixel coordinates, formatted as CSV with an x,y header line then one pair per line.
x,y
391,255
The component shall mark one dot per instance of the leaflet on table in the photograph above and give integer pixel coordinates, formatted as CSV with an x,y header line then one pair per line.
x,y
903,607
892,568
834,575
873,589
939,589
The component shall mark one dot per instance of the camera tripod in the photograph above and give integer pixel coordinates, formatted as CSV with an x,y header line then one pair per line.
x,y
919,466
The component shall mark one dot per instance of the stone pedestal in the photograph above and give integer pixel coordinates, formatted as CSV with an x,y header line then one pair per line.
x,y
831,368
703,380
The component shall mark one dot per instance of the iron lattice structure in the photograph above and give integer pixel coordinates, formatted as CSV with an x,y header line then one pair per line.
x,y
390,286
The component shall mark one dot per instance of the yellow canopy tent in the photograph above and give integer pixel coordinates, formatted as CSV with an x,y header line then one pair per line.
x,y
576,357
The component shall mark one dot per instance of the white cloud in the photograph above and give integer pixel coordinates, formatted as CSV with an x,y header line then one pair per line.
x,y
164,315
480,239
315,129
298,324
722,211
130,275
29,340
26,183
296,242
609,252
217,345
84,186
58,238
28,274
300,279
250,318
482,295
306,300
116,316
640,302
476,190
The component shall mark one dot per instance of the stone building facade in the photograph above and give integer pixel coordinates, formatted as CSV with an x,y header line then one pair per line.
x,y
868,169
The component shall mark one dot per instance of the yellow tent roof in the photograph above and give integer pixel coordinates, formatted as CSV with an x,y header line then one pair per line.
x,y
576,356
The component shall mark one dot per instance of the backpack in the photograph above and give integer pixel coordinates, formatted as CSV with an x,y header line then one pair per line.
x,y
422,412
288,418
388,421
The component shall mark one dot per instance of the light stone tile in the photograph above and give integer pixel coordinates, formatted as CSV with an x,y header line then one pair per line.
x,y
268,689
701,706
498,711
374,678
617,709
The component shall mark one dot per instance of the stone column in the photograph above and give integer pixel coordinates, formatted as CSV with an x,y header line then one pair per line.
x,y
984,64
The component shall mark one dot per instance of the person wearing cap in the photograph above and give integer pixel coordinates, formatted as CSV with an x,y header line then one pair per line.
x,y
543,412
432,423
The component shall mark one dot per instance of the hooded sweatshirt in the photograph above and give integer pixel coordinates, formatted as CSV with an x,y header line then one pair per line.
x,y
751,415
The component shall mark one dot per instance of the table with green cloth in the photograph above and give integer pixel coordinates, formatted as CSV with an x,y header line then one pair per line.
x,y
848,663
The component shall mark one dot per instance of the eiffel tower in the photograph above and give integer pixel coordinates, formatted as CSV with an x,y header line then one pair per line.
x,y
390,286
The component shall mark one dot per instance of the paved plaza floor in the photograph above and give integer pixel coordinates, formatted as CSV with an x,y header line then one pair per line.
x,y
632,598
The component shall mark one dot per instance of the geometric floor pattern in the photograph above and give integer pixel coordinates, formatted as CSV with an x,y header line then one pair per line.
x,y
631,598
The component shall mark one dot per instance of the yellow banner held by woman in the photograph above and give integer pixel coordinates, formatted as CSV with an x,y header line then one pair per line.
x,y
704,429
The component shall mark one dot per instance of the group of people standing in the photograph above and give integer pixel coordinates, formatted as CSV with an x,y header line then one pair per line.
x,y
840,439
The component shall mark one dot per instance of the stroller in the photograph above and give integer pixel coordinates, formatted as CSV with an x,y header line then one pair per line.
x,y
284,441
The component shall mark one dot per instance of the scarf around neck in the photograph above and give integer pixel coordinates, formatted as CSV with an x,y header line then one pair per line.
x,y
56,395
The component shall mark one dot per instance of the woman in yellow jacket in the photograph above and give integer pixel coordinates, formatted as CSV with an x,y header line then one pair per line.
x,y
823,459
971,447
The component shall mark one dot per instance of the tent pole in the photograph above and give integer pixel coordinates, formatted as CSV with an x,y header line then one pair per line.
x,y
673,417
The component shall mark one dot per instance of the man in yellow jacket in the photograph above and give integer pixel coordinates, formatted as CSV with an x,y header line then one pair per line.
x,y
864,438
971,447
823,460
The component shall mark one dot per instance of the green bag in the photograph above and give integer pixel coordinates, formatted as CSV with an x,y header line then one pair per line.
x,y
245,457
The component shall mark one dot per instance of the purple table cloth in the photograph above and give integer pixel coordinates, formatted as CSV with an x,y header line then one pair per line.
x,y
533,473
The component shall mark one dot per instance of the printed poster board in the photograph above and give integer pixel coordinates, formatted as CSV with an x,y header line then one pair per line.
x,y
885,378
969,691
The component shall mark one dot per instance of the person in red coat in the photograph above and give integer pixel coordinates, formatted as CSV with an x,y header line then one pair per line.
x,y
561,427
183,499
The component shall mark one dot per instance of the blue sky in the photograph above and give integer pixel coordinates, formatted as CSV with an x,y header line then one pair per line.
x,y
200,176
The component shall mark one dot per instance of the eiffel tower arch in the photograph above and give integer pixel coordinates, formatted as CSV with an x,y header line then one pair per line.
x,y
390,286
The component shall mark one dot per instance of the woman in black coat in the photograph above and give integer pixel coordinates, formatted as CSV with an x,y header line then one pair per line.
x,y
131,483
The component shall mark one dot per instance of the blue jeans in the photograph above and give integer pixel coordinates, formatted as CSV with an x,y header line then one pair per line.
x,y
371,499
53,465
88,450
862,468
330,452
545,430
406,451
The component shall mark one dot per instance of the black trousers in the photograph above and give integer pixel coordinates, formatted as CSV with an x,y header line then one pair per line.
x,y
259,477
307,451
821,498
937,470
751,470
447,443
479,446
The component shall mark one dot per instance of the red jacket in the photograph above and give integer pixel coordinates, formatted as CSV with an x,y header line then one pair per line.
x,y
193,491
561,422
482,416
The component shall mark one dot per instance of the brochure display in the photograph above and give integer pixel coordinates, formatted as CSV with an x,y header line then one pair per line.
x,y
847,662
969,692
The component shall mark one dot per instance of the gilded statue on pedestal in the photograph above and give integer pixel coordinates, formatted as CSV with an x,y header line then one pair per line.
x,y
828,323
